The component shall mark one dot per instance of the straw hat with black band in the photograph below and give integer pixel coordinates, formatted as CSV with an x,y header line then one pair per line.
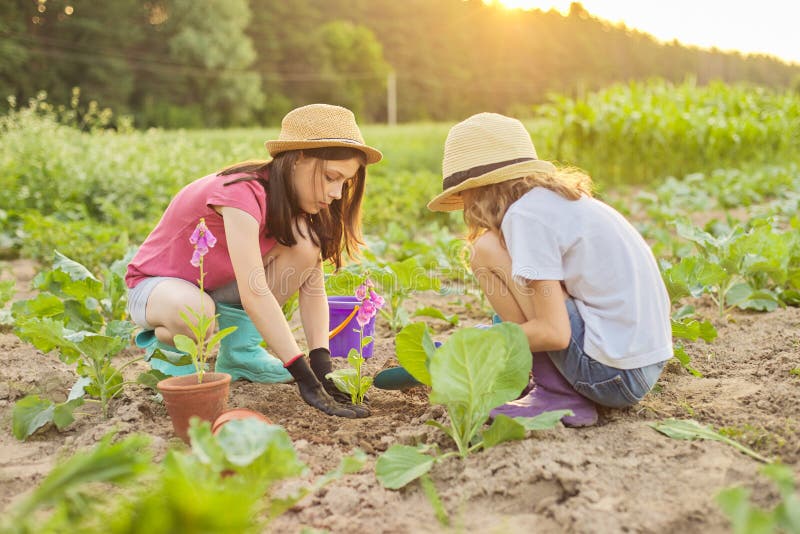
x,y
319,126
486,148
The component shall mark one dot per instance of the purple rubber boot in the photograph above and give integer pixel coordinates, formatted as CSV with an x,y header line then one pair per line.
x,y
552,392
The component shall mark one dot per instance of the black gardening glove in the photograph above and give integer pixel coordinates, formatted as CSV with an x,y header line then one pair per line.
x,y
321,365
311,390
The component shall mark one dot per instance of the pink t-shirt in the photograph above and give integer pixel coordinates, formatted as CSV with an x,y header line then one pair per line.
x,y
167,251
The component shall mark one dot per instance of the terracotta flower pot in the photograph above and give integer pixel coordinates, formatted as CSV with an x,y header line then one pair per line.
x,y
237,413
185,398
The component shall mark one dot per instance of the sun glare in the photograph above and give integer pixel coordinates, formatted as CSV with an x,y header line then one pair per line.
x,y
711,23
562,6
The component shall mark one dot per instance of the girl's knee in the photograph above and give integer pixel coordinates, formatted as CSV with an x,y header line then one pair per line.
x,y
305,250
192,315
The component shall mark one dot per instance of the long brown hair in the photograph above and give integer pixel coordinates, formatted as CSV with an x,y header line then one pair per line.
x,y
490,202
333,230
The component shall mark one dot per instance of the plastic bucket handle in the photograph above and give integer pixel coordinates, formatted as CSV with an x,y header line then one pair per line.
x,y
343,323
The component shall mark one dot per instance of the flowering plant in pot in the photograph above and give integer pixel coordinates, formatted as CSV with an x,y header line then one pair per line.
x,y
202,394
350,379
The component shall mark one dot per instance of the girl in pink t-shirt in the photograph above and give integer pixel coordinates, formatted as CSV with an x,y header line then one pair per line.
x,y
276,222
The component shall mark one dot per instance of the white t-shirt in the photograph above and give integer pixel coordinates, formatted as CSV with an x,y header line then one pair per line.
x,y
606,266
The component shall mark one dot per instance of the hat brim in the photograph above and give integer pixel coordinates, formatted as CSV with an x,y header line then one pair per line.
x,y
450,200
276,147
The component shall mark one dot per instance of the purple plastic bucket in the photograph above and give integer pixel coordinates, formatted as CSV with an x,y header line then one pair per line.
x,y
348,338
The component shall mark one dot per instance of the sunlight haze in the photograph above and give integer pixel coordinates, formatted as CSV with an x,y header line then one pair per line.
x,y
768,27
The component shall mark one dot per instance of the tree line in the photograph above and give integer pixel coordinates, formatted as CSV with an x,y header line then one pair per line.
x,y
183,63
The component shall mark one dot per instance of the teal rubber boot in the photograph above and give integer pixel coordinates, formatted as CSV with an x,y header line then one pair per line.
x,y
240,352
147,340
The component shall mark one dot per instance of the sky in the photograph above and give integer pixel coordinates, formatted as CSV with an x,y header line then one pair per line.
x,y
763,26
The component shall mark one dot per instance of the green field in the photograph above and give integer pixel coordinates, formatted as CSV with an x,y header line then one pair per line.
x,y
709,175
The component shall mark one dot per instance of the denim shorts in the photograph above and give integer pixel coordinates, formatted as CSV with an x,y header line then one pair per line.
x,y
607,386
138,296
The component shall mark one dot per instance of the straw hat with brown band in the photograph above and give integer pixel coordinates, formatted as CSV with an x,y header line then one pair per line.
x,y
318,126
487,148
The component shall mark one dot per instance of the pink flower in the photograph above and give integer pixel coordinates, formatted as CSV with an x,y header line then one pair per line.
x,y
376,299
366,312
203,240
196,258
361,292
198,231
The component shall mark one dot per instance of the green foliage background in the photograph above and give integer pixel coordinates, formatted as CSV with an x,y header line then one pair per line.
x,y
92,194
222,63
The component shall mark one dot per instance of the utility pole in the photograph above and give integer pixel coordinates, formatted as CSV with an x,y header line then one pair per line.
x,y
391,98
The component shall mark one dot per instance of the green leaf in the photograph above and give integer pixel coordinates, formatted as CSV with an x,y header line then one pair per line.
x,y
366,340
429,311
69,279
692,329
342,283
693,275
219,336
185,344
353,463
99,347
366,383
345,380
7,289
691,430
433,497
205,446
78,388
78,316
783,476
744,519
120,329
400,465
476,370
262,450
409,275
47,334
62,414
503,428
75,270
42,305
414,346
518,359
244,440
354,358
151,378
738,293
747,298
685,360
172,356
543,421
790,297
30,414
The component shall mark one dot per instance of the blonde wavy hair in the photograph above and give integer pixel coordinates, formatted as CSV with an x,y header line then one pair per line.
x,y
485,206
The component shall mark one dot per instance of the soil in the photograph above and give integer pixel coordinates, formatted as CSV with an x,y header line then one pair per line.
x,y
619,476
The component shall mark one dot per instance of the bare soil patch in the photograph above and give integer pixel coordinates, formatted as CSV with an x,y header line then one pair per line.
x,y
619,476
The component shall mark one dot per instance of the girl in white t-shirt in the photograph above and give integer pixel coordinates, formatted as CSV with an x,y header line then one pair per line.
x,y
569,269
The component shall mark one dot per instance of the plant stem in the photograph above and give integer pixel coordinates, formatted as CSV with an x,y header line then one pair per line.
x,y
359,394
126,364
199,363
475,447
101,384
